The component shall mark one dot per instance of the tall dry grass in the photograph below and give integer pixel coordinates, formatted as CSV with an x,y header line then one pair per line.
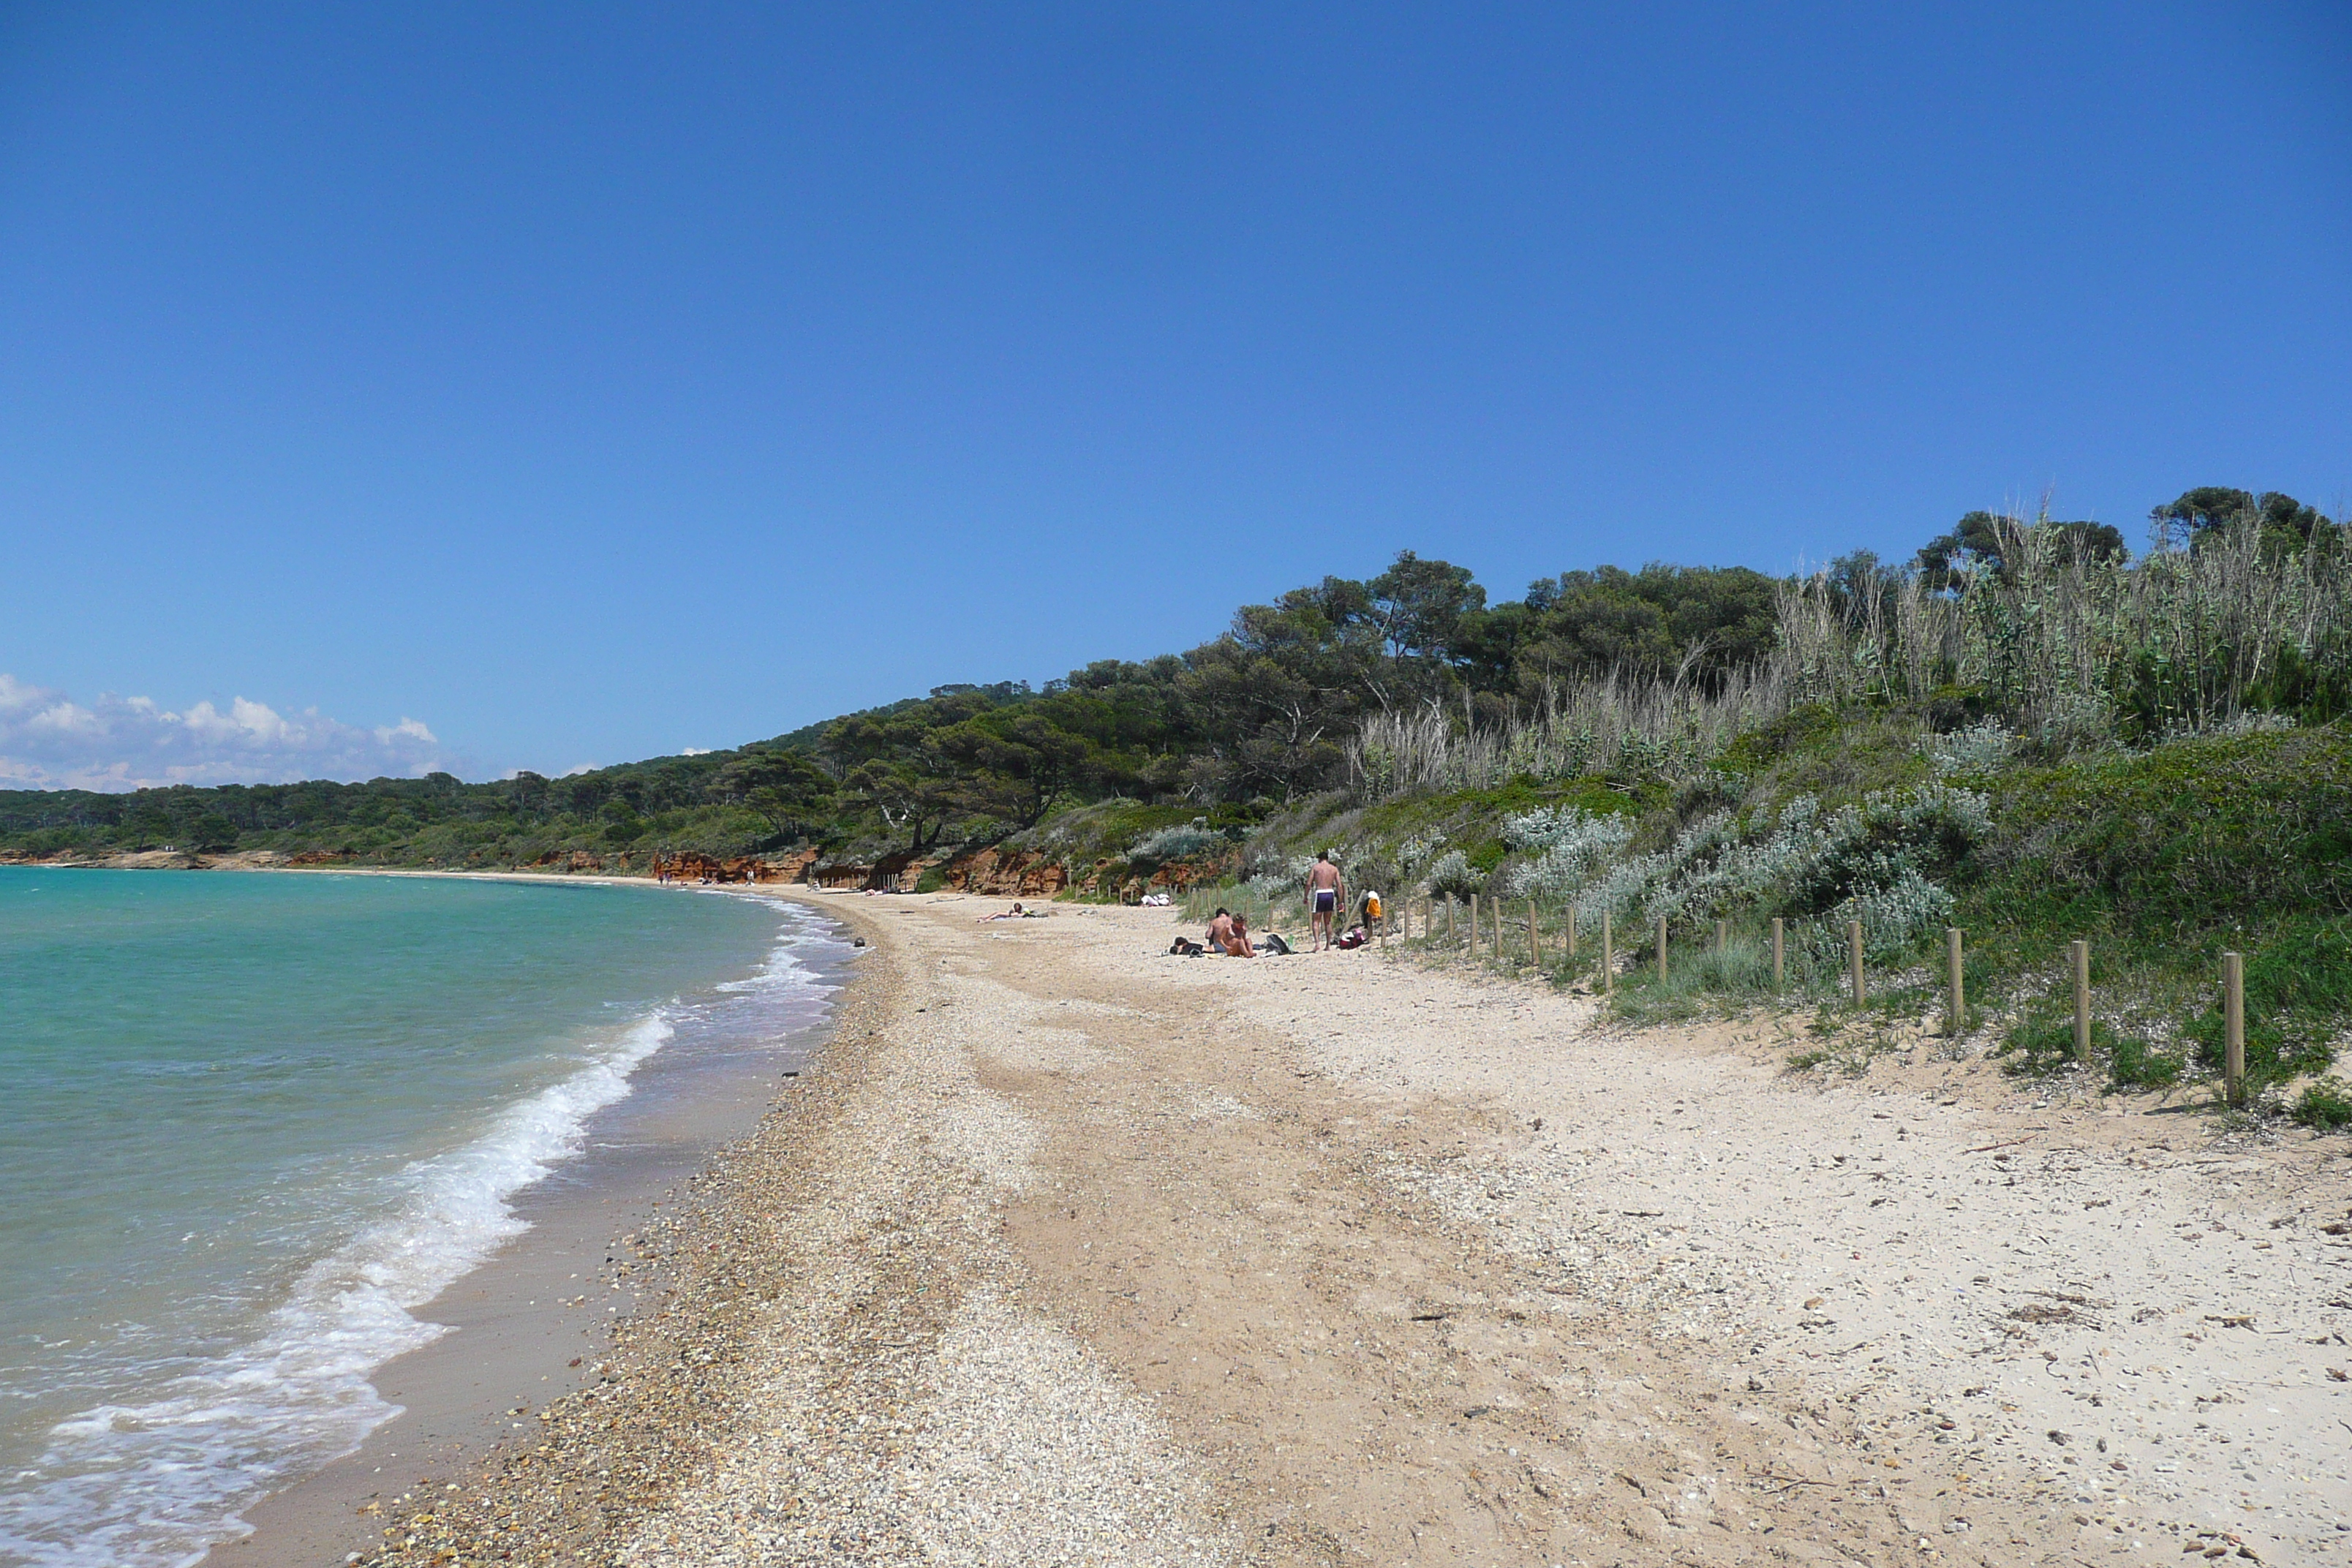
x,y
1628,722
2066,652
2073,652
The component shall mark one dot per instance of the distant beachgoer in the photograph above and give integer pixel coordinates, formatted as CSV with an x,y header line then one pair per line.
x,y
1014,913
1221,929
1327,893
1238,944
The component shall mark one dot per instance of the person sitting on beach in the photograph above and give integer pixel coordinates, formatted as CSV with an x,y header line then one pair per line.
x,y
1220,930
1237,945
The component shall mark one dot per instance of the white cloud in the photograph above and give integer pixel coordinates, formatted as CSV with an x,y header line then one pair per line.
x,y
49,742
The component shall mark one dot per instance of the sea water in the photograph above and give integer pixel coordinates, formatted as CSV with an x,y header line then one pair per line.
x,y
250,1123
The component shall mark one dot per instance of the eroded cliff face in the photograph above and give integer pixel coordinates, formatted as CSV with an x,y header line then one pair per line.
x,y
688,867
1026,873
1008,873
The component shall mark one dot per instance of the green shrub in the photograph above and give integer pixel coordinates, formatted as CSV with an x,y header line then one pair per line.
x,y
2135,1064
2192,832
1700,979
2038,1044
1185,841
2298,990
1454,876
2325,1105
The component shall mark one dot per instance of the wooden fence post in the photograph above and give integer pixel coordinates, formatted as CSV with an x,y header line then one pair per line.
x,y
1776,952
1955,1006
1449,920
2233,1028
2079,956
1569,921
1535,937
1608,959
1719,928
1473,925
1661,947
1853,956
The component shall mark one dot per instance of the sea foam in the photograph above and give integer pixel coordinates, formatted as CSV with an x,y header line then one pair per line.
x,y
162,1480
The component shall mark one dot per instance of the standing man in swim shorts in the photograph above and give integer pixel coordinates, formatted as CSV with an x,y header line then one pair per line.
x,y
1326,894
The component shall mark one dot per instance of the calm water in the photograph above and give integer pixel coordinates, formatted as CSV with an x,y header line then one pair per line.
x,y
247,1122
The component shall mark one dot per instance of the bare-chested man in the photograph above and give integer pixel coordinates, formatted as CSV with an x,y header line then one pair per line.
x,y
1327,895
1221,932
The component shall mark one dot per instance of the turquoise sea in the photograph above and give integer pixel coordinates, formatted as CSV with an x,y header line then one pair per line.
x,y
250,1123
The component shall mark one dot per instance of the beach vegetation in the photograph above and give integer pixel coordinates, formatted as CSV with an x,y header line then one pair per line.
x,y
2027,731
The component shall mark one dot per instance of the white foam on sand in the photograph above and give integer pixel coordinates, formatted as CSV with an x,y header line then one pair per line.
x,y
161,1480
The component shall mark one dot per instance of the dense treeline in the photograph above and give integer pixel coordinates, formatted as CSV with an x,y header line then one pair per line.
x,y
1260,717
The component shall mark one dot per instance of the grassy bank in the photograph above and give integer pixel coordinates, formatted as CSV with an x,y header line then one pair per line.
x,y
2161,857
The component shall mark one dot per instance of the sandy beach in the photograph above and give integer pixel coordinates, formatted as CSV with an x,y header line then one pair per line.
x,y
1067,1251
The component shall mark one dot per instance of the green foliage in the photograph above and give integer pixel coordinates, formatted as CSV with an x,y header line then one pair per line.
x,y
1183,841
2041,1043
2325,1106
1985,542
2298,993
2228,827
1708,620
2135,1064
2211,510
1702,980
2028,734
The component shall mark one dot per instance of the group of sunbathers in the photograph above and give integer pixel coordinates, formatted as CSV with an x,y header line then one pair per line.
x,y
1327,895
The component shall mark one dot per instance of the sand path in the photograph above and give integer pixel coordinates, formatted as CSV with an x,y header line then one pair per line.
x,y
1087,1254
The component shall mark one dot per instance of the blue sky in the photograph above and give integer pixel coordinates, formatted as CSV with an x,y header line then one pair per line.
x,y
576,384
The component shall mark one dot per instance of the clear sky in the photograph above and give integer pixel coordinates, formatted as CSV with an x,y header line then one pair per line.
x,y
576,384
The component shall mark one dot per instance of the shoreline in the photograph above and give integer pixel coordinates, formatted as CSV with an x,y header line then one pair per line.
x,y
655,1360
531,1323
1075,1251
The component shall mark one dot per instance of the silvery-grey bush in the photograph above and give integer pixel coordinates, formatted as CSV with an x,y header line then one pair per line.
x,y
1455,875
1183,842
1570,848
1870,861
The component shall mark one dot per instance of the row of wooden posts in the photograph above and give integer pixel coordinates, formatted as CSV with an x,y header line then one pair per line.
x,y
2234,972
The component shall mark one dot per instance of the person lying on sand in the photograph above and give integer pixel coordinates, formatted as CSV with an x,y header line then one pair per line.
x,y
1015,913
